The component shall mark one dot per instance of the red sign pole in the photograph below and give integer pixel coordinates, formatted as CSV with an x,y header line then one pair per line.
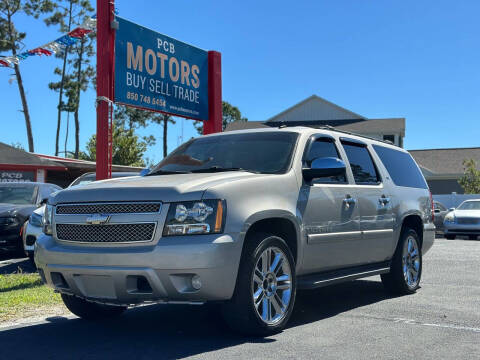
x,y
105,44
214,123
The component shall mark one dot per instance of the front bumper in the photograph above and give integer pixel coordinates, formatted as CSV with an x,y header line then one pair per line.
x,y
130,275
30,235
460,229
10,238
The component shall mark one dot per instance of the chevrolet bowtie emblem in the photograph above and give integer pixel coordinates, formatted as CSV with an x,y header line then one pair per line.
x,y
98,219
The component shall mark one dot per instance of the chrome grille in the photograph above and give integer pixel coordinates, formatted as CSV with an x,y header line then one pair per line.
x,y
110,233
109,208
468,221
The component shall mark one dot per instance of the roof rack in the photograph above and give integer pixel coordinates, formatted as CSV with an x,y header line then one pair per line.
x,y
282,124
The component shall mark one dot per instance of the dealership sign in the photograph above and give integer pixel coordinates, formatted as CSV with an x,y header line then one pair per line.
x,y
158,73
16,176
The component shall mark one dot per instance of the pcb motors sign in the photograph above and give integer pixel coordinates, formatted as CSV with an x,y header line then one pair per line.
x,y
158,73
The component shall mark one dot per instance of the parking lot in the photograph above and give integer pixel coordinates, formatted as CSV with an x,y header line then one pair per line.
x,y
348,321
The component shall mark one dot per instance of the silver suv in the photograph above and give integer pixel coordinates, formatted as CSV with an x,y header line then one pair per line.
x,y
242,218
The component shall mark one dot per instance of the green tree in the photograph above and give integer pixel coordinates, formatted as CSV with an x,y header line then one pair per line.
x,y
470,181
70,14
128,148
230,114
12,40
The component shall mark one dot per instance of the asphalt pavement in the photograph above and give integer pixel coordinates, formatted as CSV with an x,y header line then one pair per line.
x,y
354,320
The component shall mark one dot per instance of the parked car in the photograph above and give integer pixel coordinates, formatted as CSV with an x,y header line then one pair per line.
x,y
33,227
243,218
440,212
464,220
17,203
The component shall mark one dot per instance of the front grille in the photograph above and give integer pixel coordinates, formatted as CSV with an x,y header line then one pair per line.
x,y
109,208
110,233
468,221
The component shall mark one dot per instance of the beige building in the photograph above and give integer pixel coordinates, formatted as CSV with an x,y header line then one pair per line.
x,y
316,111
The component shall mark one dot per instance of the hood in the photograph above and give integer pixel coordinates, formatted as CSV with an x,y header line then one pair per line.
x,y
16,209
165,188
466,213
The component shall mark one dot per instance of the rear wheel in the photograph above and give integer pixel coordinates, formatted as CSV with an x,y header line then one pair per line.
x,y
89,310
450,237
406,266
266,286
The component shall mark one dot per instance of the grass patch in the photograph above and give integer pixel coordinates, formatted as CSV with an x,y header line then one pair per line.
x,y
23,295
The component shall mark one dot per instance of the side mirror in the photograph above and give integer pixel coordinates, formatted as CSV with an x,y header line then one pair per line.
x,y
436,211
322,167
451,209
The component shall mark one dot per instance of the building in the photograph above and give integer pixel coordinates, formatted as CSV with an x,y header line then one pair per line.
x,y
20,166
316,111
443,168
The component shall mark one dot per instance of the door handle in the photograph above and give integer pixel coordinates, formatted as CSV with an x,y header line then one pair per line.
x,y
349,201
384,200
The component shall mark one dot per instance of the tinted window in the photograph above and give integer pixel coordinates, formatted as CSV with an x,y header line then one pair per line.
x,y
264,152
363,169
402,168
324,148
24,194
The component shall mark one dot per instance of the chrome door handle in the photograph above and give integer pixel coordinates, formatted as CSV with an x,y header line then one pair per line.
x,y
349,201
384,200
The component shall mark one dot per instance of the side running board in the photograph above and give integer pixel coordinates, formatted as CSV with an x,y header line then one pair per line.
x,y
313,281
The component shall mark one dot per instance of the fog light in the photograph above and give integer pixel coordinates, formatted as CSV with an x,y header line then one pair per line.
x,y
196,282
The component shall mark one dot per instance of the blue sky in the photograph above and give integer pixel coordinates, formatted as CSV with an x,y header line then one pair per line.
x,y
414,59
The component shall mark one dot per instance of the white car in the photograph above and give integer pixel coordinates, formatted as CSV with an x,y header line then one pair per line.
x,y
463,221
32,230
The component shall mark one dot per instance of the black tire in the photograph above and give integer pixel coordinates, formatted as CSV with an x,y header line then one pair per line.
x,y
450,237
89,310
395,281
239,312
472,237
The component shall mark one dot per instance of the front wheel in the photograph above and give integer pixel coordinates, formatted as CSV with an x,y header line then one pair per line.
x,y
266,286
89,310
406,266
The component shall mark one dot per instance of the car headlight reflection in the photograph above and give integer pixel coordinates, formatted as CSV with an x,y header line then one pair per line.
x,y
195,217
449,219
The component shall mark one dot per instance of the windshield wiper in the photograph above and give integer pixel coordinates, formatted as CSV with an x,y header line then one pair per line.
x,y
221,169
166,172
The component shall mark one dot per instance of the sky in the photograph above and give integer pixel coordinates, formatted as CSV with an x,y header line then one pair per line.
x,y
414,59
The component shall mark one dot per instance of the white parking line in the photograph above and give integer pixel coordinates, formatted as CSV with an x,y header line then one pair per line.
x,y
420,323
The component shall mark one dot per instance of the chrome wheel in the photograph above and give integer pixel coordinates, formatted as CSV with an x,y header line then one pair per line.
x,y
272,285
411,262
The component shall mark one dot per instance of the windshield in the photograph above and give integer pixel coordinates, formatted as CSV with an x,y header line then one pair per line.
x,y
268,153
470,205
22,195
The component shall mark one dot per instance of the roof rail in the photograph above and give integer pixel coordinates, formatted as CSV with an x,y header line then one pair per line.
x,y
281,124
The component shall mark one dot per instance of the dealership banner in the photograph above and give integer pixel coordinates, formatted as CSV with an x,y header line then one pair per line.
x,y
158,73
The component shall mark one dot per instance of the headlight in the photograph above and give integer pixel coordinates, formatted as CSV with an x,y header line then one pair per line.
x,y
195,217
47,219
36,220
449,218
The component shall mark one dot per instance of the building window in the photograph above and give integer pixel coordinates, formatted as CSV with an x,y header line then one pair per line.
x,y
390,138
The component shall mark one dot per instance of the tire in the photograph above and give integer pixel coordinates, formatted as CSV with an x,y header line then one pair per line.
x,y
89,310
406,265
450,237
472,237
274,290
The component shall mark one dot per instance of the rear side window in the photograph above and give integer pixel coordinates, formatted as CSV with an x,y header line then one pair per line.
x,y
402,168
361,163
